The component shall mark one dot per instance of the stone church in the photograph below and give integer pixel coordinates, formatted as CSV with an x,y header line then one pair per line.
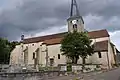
x,y
45,50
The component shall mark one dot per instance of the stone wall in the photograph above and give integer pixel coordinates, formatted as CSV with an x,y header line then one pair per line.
x,y
30,75
78,67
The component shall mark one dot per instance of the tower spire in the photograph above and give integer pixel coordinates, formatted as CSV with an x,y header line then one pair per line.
x,y
74,9
75,21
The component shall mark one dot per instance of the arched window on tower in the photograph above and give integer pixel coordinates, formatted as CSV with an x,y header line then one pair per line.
x,y
75,27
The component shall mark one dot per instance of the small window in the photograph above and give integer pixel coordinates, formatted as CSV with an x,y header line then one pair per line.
x,y
32,44
51,61
58,56
33,55
99,54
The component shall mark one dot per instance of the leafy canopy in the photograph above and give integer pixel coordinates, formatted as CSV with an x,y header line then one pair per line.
x,y
5,49
76,45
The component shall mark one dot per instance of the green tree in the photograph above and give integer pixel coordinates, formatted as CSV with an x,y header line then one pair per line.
x,y
5,49
76,45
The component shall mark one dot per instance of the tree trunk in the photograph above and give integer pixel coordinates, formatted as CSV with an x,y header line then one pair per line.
x,y
76,60
73,60
83,63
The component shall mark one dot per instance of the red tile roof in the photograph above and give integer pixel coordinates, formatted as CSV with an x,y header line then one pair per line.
x,y
53,41
56,38
98,34
43,38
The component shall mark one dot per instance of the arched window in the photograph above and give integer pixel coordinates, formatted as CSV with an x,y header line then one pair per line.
x,y
99,54
58,56
33,55
75,27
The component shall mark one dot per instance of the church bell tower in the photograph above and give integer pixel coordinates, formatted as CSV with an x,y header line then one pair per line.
x,y
75,21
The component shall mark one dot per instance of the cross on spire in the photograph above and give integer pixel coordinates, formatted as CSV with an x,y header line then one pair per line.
x,y
74,9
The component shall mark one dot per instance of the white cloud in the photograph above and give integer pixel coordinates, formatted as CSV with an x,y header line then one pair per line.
x,y
41,16
94,22
49,31
115,38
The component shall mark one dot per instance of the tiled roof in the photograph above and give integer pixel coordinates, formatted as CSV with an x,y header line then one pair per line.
x,y
43,38
98,34
53,38
53,41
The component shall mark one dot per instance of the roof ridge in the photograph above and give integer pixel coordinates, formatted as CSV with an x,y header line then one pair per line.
x,y
63,33
46,35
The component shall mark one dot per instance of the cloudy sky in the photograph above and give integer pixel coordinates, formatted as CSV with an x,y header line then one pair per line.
x,y
41,17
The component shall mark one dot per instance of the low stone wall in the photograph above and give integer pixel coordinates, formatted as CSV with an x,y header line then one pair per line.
x,y
31,75
78,67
